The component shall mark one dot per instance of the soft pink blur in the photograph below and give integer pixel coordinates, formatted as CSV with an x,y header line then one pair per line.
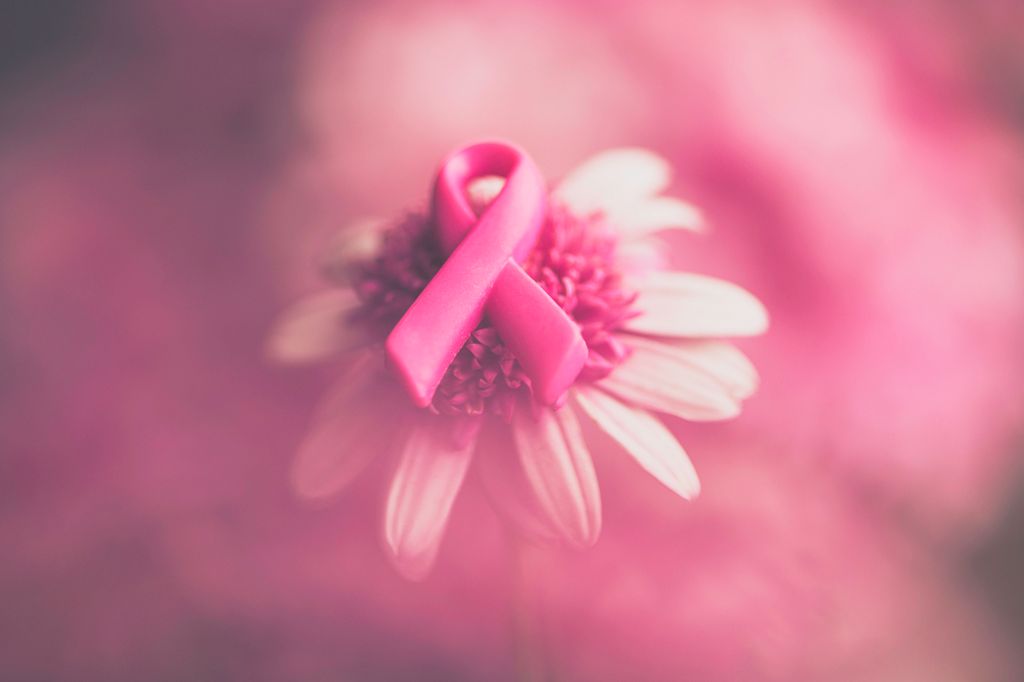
x,y
164,192
848,184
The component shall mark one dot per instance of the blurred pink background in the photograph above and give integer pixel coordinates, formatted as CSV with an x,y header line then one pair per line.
x,y
169,172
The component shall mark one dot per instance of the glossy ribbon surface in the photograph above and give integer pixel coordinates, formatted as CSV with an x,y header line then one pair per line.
x,y
483,275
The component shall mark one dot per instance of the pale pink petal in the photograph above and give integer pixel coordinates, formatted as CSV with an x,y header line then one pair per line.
x,y
351,245
482,191
503,477
655,377
640,256
655,214
347,433
560,472
690,305
644,437
315,328
720,360
430,473
614,179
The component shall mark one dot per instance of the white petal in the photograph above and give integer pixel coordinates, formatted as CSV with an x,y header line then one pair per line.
x,y
352,244
482,191
315,328
346,435
640,256
559,469
658,213
613,179
430,473
644,437
720,360
498,467
690,305
657,379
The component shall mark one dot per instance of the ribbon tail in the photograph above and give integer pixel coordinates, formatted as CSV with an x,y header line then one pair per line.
x,y
544,339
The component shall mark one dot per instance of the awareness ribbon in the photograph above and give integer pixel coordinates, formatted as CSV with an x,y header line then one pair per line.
x,y
482,274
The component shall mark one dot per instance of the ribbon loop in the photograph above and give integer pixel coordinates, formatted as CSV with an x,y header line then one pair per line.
x,y
483,275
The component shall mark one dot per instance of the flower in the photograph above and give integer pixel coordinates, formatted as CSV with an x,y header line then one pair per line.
x,y
653,347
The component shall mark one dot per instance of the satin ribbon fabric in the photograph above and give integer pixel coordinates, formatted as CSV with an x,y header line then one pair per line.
x,y
483,275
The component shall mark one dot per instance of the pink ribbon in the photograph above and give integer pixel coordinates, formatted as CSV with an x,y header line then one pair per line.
x,y
483,274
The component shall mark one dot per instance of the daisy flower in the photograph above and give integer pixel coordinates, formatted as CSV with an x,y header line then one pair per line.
x,y
654,348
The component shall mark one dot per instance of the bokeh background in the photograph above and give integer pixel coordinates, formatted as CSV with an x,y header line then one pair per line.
x,y
170,171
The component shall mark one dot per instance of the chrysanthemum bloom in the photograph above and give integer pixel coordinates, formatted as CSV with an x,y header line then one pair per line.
x,y
652,347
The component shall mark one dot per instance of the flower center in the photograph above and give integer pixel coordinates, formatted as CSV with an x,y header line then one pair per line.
x,y
573,261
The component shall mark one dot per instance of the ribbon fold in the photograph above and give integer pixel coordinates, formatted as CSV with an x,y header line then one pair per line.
x,y
483,275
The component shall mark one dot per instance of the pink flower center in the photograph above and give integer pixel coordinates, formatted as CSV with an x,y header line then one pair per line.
x,y
574,261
